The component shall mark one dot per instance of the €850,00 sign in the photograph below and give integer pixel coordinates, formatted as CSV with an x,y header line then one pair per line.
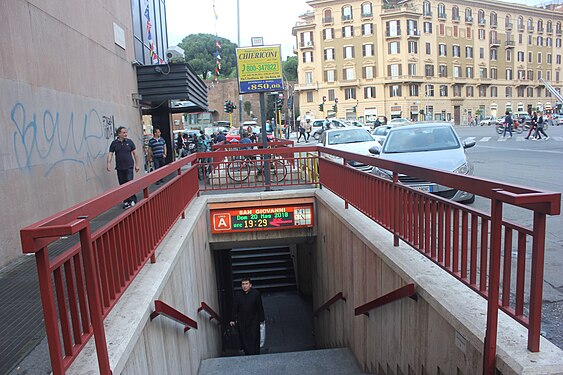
x,y
259,69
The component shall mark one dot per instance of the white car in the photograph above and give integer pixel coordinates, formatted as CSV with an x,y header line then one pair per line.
x,y
399,121
488,121
432,145
352,139
380,133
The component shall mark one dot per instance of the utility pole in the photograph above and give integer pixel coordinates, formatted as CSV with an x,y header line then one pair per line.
x,y
238,42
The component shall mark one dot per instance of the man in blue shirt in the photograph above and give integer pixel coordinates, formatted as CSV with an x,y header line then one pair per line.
x,y
125,161
158,148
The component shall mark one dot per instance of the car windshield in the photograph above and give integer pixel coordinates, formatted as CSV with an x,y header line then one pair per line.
x,y
382,130
349,136
428,138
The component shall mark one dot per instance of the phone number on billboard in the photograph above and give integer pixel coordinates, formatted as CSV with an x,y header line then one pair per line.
x,y
260,68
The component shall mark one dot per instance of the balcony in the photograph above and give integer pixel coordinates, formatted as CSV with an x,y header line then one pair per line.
x,y
328,20
508,26
404,79
349,83
469,19
427,14
442,16
367,15
389,34
494,43
494,25
455,18
531,28
307,44
482,22
510,44
306,86
520,27
558,32
413,33
346,17
483,81
522,82
459,81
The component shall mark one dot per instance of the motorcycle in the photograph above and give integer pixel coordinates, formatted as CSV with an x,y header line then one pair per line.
x,y
516,127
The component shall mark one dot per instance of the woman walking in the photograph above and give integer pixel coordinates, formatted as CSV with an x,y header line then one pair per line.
x,y
539,128
533,124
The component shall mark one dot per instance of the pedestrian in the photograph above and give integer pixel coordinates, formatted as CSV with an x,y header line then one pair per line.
x,y
248,313
377,123
158,147
180,144
384,120
125,161
220,137
326,124
308,129
533,124
539,128
301,132
507,124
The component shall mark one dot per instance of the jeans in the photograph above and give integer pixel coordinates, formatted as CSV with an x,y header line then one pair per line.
x,y
158,163
123,176
509,128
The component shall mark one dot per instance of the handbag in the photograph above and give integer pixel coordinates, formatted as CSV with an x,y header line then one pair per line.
x,y
231,338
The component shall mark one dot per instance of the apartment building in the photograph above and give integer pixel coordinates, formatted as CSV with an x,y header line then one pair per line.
x,y
420,59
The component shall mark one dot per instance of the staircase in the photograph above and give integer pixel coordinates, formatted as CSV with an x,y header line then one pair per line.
x,y
313,362
270,269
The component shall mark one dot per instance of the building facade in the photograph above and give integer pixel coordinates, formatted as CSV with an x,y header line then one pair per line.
x,y
419,59
68,80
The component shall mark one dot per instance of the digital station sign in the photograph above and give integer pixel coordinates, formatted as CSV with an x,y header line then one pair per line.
x,y
261,217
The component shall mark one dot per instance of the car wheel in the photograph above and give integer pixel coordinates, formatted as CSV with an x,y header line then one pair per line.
x,y
316,136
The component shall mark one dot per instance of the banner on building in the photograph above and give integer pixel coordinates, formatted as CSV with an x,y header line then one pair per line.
x,y
259,69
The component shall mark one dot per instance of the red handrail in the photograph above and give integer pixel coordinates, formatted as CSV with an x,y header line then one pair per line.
x,y
212,314
162,308
326,306
405,291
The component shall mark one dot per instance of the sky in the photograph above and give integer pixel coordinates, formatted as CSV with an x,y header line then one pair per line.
x,y
270,19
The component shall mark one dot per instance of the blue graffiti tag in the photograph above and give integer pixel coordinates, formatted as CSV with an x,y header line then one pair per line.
x,y
50,142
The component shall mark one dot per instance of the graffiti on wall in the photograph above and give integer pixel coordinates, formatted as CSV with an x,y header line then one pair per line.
x,y
52,138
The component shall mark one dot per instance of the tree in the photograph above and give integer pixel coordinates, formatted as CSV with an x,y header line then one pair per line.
x,y
289,68
200,51
247,107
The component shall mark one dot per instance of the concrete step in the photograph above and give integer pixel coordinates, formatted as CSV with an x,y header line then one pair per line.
x,y
313,362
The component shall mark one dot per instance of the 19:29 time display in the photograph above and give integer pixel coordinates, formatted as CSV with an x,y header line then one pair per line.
x,y
258,223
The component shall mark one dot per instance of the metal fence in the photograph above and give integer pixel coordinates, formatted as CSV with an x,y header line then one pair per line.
x,y
80,286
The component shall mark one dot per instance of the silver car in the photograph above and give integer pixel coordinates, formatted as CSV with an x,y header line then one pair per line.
x,y
356,140
429,145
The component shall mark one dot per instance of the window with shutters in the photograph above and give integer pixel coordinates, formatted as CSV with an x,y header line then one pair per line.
x,y
494,91
428,90
469,91
369,72
429,70
349,73
442,50
308,57
413,46
330,75
520,56
348,31
350,93
508,92
394,48
494,73
456,51
482,91
329,54
443,90
530,92
413,89
469,52
412,69
427,27
494,54
349,52
367,29
443,71
457,71
309,77
328,34
366,10
558,59
346,13
368,50
508,74
394,70
469,71
331,95
369,92
482,72
393,28
395,90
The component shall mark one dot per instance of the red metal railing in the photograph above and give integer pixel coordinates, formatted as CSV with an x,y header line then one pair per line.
x,y
465,242
212,314
90,277
162,308
326,306
405,291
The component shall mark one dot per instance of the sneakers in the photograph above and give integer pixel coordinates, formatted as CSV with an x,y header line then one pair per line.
x,y
546,138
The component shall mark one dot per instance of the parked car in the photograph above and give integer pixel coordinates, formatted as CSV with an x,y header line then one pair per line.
x,y
380,133
491,120
399,121
359,124
233,134
432,145
349,139
318,126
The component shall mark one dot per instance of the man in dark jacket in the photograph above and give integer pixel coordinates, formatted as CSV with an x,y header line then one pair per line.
x,y
248,312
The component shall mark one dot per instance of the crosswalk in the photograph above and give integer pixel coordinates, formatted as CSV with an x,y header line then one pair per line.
x,y
517,138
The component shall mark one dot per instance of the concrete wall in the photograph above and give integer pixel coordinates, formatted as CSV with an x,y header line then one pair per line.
x,y
183,276
355,256
60,74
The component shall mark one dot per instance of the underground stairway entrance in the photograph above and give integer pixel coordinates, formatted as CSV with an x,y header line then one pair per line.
x,y
286,293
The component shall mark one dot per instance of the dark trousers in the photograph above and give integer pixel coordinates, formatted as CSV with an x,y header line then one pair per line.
x,y
158,163
123,176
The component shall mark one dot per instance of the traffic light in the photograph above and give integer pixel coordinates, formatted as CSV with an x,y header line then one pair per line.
x,y
355,108
232,106
322,107
229,106
226,106
335,108
279,102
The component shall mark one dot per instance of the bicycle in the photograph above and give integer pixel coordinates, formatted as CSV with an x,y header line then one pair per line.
x,y
239,170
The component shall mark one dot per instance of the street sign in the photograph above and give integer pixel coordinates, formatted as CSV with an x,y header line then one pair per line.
x,y
245,218
259,69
